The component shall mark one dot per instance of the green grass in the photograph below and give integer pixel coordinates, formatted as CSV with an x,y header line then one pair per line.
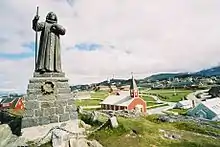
x,y
87,102
157,106
179,111
147,98
99,94
148,135
168,94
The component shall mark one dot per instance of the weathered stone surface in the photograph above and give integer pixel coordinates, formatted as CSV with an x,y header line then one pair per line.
x,y
38,112
71,101
64,117
29,122
78,142
64,96
30,105
50,97
70,108
114,122
44,120
30,97
94,143
60,103
73,115
62,85
49,111
34,91
47,104
54,119
52,74
48,108
60,138
7,139
34,86
60,110
64,90
29,113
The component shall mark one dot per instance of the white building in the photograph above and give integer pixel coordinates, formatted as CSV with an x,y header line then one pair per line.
x,y
185,104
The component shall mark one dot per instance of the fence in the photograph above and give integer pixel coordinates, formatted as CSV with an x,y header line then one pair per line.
x,y
12,120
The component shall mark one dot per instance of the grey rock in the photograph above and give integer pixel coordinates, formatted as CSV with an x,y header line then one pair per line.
x,y
59,110
60,138
94,143
73,115
7,139
64,90
53,119
50,97
30,97
64,117
30,105
29,122
44,120
60,103
78,142
114,122
71,101
63,96
47,104
29,113
48,111
70,108
38,113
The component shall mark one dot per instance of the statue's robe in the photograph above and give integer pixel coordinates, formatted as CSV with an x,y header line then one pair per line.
x,y
49,58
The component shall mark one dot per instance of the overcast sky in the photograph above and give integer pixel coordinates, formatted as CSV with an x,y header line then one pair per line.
x,y
106,37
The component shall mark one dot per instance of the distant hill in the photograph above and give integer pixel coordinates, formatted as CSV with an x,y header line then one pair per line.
x,y
214,71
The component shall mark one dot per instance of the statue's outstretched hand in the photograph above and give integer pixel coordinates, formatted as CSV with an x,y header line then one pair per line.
x,y
36,18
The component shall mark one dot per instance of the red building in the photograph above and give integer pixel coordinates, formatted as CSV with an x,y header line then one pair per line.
x,y
125,100
12,103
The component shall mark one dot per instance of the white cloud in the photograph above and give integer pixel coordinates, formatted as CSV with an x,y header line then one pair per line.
x,y
149,36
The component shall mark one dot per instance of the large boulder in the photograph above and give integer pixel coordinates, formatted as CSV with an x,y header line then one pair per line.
x,y
7,139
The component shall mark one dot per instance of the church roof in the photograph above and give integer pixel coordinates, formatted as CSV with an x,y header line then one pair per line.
x,y
119,100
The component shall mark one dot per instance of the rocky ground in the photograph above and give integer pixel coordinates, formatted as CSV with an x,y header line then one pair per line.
x,y
60,134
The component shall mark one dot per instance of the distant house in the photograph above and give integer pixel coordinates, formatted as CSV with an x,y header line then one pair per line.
x,y
185,104
125,100
209,109
12,103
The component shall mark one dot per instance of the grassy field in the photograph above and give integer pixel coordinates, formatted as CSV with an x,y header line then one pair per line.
x,y
146,134
179,111
147,98
99,94
168,94
87,102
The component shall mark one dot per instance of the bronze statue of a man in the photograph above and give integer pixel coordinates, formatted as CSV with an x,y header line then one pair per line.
x,y
48,59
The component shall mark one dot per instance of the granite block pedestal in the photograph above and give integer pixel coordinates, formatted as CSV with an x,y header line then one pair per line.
x,y
48,100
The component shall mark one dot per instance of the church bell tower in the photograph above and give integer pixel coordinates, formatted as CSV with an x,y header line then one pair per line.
x,y
133,88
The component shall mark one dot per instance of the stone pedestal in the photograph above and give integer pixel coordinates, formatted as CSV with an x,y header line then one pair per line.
x,y
48,100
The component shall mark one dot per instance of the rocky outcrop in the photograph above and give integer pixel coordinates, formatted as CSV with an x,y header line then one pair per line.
x,y
7,139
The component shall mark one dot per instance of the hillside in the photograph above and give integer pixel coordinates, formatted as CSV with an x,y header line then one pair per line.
x,y
214,71
149,132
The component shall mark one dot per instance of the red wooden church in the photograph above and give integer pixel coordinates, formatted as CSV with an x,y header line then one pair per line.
x,y
12,103
125,100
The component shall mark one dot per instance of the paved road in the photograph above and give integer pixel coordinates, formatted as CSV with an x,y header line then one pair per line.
x,y
159,110
192,96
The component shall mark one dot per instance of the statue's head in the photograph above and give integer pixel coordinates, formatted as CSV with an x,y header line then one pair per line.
x,y
51,17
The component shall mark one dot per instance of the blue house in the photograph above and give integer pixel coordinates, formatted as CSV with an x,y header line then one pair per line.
x,y
209,109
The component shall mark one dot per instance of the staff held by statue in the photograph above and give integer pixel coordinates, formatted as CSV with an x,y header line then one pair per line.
x,y
36,37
